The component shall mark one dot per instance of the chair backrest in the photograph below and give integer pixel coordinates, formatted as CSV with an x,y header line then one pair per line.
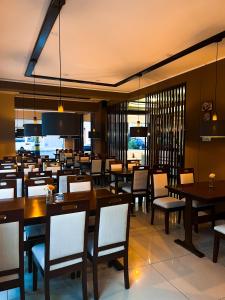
x,y
115,165
62,178
11,248
140,180
19,177
43,174
30,167
66,234
107,161
37,187
96,166
8,189
159,181
131,165
112,224
84,158
53,168
8,168
81,183
186,176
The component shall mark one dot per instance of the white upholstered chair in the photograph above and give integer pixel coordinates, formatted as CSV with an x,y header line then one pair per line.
x,y
8,169
186,176
65,248
62,178
35,233
19,177
7,189
11,250
110,238
139,186
80,183
161,198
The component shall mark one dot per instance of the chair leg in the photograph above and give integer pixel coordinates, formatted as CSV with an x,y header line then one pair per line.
x,y
179,217
29,260
84,281
47,292
22,292
216,248
126,272
95,279
152,214
35,273
167,216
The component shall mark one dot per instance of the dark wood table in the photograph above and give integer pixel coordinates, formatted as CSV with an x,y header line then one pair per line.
x,y
201,192
124,173
35,207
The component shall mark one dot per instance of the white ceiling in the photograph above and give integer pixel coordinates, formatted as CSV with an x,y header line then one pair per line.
x,y
106,41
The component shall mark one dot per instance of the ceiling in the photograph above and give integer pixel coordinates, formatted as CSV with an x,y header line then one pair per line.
x,y
107,41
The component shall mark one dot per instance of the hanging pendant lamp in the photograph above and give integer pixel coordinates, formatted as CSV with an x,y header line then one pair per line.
x,y
61,123
214,128
139,131
33,129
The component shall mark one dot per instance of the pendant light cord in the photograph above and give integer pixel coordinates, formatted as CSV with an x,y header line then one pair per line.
x,y
60,61
216,77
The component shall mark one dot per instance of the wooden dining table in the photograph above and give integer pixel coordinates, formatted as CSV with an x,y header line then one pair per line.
x,y
204,194
35,207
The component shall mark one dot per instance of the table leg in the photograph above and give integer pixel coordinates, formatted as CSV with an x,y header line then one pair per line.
x,y
187,243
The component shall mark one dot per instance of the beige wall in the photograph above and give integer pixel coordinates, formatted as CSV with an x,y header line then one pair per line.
x,y
7,125
205,157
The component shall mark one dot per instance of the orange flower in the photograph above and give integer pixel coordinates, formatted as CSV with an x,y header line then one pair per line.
x,y
51,187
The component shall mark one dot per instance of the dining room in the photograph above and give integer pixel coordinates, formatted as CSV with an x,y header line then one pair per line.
x,y
112,142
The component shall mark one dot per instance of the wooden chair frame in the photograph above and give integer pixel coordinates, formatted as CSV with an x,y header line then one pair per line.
x,y
95,259
195,210
13,176
7,217
9,184
166,211
59,209
79,178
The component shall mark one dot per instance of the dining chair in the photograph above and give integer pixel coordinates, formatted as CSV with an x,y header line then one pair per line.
x,y
53,167
105,172
19,177
39,174
84,158
115,184
62,178
34,234
109,241
80,183
11,249
30,168
65,247
219,233
37,187
96,170
7,189
139,186
8,168
186,176
161,199
131,164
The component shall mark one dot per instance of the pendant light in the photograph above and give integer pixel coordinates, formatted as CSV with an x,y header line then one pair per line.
x,y
214,128
139,131
35,128
61,123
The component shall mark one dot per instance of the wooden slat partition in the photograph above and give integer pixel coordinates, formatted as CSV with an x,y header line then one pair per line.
x,y
117,131
165,117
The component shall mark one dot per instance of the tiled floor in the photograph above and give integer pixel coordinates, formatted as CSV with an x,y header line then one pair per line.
x,y
159,269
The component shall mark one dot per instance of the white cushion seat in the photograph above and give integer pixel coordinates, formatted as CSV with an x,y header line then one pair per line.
x,y
90,247
34,230
39,253
169,202
220,228
197,204
126,188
